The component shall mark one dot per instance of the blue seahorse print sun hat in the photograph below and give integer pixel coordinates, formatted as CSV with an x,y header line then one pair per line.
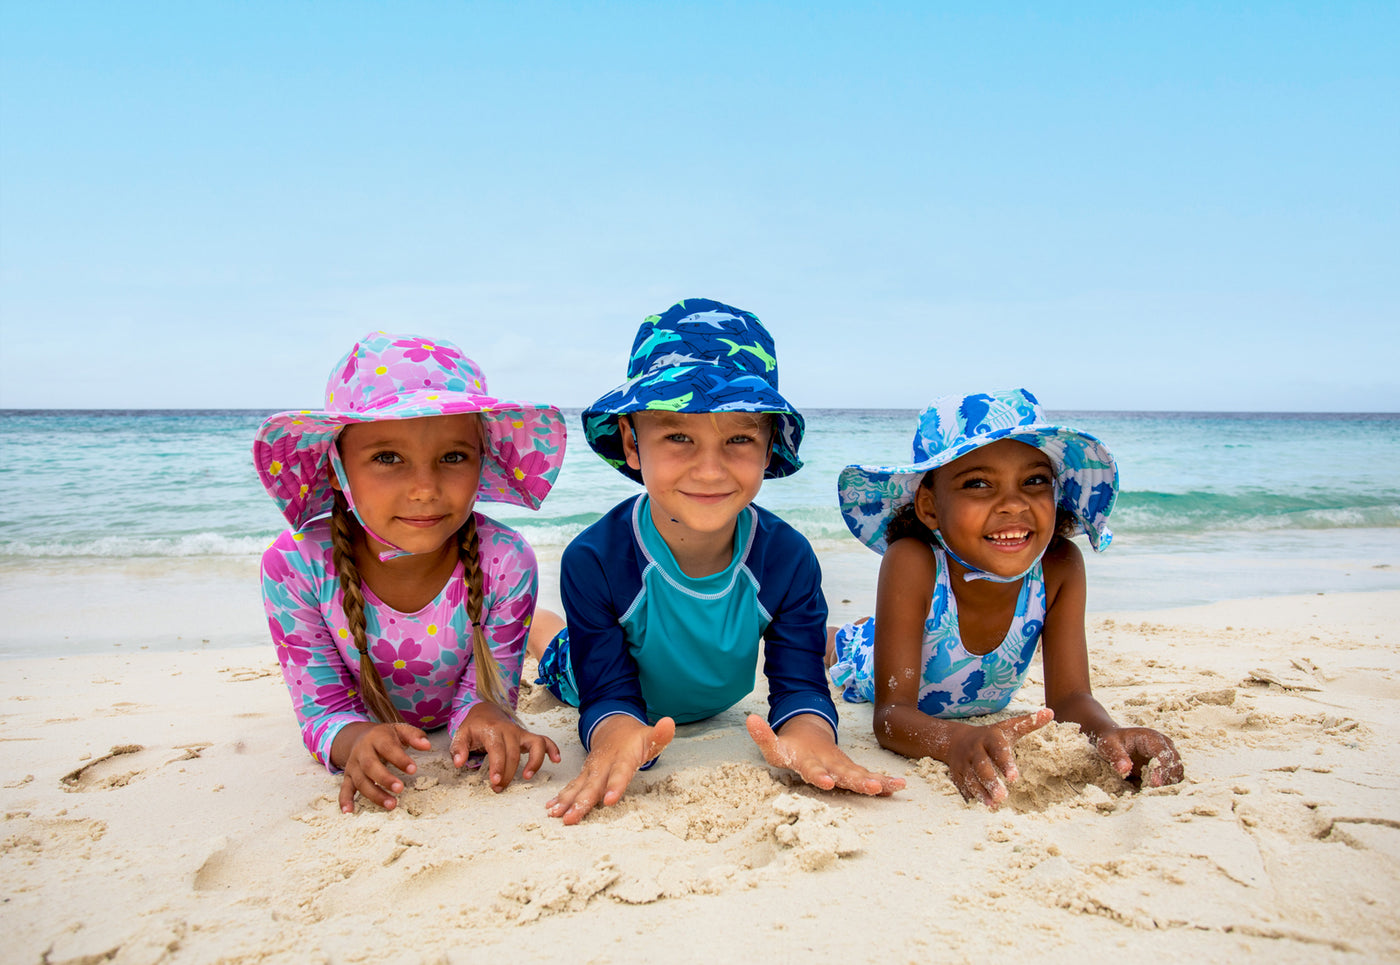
x,y
698,356
1086,474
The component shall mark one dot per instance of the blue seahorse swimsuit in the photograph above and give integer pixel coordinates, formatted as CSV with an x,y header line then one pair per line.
x,y
954,683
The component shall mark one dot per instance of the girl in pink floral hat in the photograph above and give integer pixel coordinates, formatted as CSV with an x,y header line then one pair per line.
x,y
396,607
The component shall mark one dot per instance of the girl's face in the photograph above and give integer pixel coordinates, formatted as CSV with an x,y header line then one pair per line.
x,y
995,507
413,480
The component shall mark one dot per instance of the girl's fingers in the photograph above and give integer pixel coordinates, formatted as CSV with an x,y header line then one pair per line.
x,y
1017,727
347,794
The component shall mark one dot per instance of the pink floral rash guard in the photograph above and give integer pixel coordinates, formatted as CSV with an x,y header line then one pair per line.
x,y
425,658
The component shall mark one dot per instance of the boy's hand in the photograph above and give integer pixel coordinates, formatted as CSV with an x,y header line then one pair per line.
x,y
1130,749
365,772
806,745
489,728
621,744
981,757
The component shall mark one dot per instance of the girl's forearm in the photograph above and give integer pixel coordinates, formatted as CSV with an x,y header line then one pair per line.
x,y
914,734
1082,709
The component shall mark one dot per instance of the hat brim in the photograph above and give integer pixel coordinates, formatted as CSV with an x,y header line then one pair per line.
x,y
522,451
695,388
1086,472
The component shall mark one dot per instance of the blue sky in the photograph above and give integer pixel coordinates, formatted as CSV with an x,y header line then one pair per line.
x,y
1182,207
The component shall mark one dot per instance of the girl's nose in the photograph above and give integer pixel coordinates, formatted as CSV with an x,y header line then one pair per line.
x,y
426,483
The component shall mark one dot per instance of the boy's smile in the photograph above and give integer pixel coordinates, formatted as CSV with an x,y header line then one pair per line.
x,y
995,507
700,470
414,480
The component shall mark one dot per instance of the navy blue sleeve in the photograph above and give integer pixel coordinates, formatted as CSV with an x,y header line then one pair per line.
x,y
595,586
794,650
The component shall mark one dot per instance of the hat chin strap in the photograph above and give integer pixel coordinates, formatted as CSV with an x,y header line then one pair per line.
x,y
973,573
393,552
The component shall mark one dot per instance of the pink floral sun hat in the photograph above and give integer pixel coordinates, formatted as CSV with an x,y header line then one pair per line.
x,y
405,377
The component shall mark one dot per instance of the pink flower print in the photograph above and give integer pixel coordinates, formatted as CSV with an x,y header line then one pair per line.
x,y
525,472
405,668
335,697
432,713
351,364
420,351
292,649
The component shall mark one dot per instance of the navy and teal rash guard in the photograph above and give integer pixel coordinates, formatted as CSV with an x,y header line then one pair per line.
x,y
648,641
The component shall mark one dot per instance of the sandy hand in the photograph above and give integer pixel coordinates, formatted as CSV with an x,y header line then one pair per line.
x,y
1142,752
808,747
983,759
365,770
490,729
621,744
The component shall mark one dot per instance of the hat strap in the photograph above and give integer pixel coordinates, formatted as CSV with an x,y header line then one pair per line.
x,y
393,552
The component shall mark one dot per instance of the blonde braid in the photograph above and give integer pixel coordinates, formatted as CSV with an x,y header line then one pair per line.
x,y
488,670
352,597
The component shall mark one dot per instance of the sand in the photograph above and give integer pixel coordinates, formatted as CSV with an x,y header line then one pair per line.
x,y
158,806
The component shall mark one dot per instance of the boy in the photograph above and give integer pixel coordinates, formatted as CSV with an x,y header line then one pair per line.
x,y
668,594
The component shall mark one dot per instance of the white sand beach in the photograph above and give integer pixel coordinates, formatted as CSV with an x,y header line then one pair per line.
x,y
159,807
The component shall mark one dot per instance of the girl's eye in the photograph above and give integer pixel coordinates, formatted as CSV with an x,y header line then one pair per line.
x,y
457,457
385,458
679,437
1039,479
740,440
975,483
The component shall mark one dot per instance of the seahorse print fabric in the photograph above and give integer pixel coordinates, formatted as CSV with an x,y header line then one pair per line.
x,y
953,682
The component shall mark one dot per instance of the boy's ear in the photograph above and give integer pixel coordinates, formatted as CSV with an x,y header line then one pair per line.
x,y
923,507
629,442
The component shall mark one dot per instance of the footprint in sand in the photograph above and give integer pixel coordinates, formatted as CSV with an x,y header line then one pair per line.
x,y
124,764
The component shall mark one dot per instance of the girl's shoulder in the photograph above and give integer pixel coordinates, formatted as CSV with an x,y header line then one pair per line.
x,y
1062,563
910,559
501,538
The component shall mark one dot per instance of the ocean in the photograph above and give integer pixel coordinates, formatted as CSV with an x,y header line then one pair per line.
x,y
1213,505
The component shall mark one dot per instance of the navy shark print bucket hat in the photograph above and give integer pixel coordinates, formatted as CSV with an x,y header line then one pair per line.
x,y
699,355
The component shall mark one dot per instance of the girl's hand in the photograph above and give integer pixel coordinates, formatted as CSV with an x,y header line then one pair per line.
x,y
490,729
1130,749
621,744
982,758
808,747
365,772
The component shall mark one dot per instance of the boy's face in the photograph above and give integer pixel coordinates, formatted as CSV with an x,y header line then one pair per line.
x,y
700,469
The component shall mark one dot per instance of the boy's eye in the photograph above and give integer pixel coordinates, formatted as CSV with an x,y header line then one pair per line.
x,y
740,440
677,437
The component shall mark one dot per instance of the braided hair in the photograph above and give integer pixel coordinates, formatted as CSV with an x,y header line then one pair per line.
x,y
345,529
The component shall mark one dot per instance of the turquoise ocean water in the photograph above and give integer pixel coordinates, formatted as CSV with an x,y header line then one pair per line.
x,y
1214,504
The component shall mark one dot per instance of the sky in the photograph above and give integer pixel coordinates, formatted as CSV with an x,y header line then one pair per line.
x,y
1119,206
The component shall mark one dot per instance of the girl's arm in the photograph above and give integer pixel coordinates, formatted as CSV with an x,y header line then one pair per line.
x,y
510,582
322,689
978,757
1065,654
